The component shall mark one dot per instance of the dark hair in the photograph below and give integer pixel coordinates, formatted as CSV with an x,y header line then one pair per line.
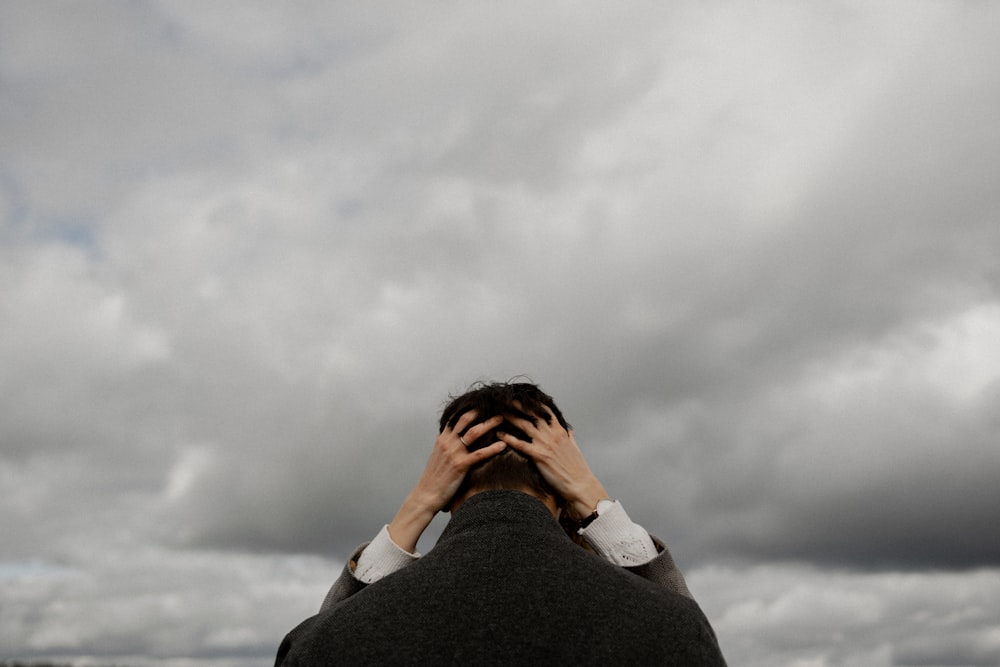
x,y
510,469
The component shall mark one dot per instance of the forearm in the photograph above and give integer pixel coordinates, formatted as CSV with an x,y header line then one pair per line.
x,y
663,570
369,563
346,584
620,541
582,498
449,461
410,522
616,538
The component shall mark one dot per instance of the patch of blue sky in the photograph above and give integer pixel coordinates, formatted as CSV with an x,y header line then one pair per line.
x,y
350,208
79,233
18,221
21,569
14,214
73,233
311,60
298,65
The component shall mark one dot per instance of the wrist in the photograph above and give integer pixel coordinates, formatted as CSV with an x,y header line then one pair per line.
x,y
409,523
602,506
585,502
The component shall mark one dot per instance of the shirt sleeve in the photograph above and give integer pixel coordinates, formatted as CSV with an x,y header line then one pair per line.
x,y
381,558
617,539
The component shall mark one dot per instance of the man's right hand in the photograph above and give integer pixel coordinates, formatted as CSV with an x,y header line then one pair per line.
x,y
449,461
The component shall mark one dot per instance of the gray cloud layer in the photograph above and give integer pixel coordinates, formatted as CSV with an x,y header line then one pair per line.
x,y
245,255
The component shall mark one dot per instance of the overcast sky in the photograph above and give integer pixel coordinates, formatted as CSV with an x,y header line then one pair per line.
x,y
247,250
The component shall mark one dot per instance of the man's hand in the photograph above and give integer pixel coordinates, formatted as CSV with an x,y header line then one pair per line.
x,y
446,468
559,459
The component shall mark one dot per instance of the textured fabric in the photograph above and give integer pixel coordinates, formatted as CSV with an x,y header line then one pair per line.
x,y
347,584
661,571
382,557
504,585
614,536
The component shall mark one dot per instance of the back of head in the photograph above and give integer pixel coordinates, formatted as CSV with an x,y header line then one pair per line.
x,y
509,469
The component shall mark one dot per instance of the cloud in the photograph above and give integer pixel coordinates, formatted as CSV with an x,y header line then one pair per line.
x,y
769,614
793,615
108,606
245,256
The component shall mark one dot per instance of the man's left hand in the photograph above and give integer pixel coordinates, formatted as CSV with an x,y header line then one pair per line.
x,y
559,459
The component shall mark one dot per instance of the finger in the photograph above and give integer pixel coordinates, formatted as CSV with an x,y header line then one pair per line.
x,y
521,413
551,419
523,422
486,452
516,443
463,421
474,433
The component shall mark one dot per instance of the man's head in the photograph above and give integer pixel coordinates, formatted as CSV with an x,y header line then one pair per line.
x,y
509,469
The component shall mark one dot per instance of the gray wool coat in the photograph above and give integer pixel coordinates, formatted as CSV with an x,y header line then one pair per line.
x,y
504,585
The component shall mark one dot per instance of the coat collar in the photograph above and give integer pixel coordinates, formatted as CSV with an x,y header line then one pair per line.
x,y
500,507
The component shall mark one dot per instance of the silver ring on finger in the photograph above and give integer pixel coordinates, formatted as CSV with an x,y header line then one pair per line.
x,y
461,439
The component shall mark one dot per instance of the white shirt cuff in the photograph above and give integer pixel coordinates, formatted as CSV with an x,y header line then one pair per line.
x,y
381,558
615,538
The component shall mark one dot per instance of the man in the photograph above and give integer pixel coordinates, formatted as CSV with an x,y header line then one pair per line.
x,y
504,584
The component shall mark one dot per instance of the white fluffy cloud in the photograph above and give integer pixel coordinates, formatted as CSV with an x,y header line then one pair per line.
x,y
789,614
